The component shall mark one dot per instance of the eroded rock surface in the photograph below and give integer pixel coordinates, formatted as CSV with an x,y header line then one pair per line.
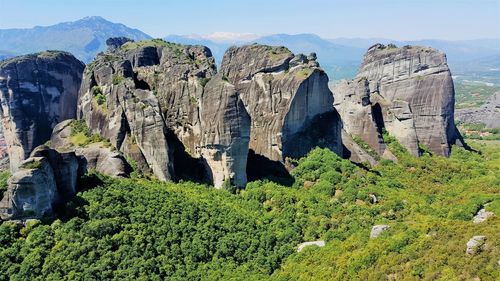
x,y
167,102
50,175
31,192
36,92
287,99
144,97
407,92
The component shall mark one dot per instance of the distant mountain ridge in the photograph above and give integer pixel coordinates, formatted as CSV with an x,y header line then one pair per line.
x,y
339,57
84,38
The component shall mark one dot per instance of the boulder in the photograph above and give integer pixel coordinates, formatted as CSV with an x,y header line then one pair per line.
x,y
36,92
482,215
475,245
319,243
31,192
104,160
378,229
407,92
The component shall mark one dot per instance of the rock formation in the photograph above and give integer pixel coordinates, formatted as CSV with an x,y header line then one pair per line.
x,y
407,92
142,94
32,190
475,245
378,229
36,92
488,114
287,99
319,243
49,176
167,102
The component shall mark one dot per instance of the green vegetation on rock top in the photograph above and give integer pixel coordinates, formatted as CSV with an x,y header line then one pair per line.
x,y
149,43
82,136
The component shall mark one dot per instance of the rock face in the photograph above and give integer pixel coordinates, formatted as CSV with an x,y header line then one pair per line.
x,y
144,97
49,176
287,99
166,103
94,156
407,92
36,92
31,192
488,114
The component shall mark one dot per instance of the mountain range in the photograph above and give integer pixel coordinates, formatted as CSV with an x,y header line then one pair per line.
x,y
340,57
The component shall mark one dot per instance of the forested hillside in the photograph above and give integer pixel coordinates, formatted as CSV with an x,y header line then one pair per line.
x,y
142,229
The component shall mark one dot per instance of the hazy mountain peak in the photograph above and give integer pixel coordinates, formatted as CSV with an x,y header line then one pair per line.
x,y
84,37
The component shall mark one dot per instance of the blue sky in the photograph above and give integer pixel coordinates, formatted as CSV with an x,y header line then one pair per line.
x,y
395,19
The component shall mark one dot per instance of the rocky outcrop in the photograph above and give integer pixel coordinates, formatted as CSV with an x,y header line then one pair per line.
x,y
475,245
488,114
163,104
144,96
407,92
36,92
287,99
31,192
482,215
378,229
319,243
50,175
97,156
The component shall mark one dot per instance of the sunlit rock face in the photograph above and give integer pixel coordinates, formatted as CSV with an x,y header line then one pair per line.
x,y
145,97
406,91
36,92
167,102
287,99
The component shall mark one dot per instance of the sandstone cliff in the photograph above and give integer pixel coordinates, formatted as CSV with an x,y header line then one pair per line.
x,y
288,102
36,92
144,97
407,92
50,174
168,101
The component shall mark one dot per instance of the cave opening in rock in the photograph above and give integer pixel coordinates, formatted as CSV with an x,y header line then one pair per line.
x,y
141,84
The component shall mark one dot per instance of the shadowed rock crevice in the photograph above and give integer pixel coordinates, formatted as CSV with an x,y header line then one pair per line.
x,y
260,167
322,131
187,167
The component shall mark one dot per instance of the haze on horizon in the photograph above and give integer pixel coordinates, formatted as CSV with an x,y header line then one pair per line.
x,y
394,19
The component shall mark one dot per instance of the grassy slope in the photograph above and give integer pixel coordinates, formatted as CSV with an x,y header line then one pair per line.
x,y
138,229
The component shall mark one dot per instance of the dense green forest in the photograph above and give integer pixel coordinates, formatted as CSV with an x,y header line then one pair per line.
x,y
138,229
